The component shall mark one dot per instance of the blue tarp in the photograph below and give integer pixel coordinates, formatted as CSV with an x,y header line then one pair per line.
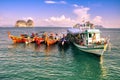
x,y
73,31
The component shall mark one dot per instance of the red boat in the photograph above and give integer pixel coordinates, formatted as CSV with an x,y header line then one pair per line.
x,y
38,40
20,39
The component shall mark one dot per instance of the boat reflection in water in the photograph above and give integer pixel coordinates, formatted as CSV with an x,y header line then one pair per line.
x,y
42,48
103,68
88,65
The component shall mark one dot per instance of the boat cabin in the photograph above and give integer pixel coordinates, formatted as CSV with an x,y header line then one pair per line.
x,y
92,36
87,37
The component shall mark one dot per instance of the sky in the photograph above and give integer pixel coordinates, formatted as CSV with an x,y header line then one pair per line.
x,y
61,13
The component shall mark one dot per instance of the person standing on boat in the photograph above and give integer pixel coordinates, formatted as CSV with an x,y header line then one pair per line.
x,y
33,35
94,38
63,39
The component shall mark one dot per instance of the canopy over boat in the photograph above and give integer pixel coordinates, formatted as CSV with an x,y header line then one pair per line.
x,y
77,31
74,31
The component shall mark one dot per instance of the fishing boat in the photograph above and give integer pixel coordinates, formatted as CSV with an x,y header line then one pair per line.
x,y
50,40
64,42
88,39
38,40
23,38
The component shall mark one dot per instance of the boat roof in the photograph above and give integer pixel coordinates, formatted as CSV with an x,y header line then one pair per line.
x,y
92,31
74,31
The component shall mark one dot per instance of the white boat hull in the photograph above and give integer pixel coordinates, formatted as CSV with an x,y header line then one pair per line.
x,y
98,50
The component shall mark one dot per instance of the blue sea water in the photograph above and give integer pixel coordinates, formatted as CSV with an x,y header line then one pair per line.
x,y
31,62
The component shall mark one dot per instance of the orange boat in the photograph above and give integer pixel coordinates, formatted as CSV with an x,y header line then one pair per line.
x,y
49,41
38,40
19,39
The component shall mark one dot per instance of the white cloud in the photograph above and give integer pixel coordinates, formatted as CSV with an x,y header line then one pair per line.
x,y
82,14
59,18
57,21
27,18
75,5
50,2
55,2
97,20
30,18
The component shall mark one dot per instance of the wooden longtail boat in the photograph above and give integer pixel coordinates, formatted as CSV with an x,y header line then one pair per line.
x,y
19,39
38,40
50,41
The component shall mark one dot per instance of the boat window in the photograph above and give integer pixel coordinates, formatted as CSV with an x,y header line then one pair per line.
x,y
90,35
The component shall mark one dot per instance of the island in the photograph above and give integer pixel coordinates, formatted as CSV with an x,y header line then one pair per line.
x,y
23,23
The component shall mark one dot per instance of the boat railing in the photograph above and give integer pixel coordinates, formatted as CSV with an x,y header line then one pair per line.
x,y
95,46
83,28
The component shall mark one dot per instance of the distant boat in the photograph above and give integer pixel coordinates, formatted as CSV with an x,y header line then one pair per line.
x,y
88,39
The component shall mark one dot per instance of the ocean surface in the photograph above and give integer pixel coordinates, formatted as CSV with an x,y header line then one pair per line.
x,y
32,62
